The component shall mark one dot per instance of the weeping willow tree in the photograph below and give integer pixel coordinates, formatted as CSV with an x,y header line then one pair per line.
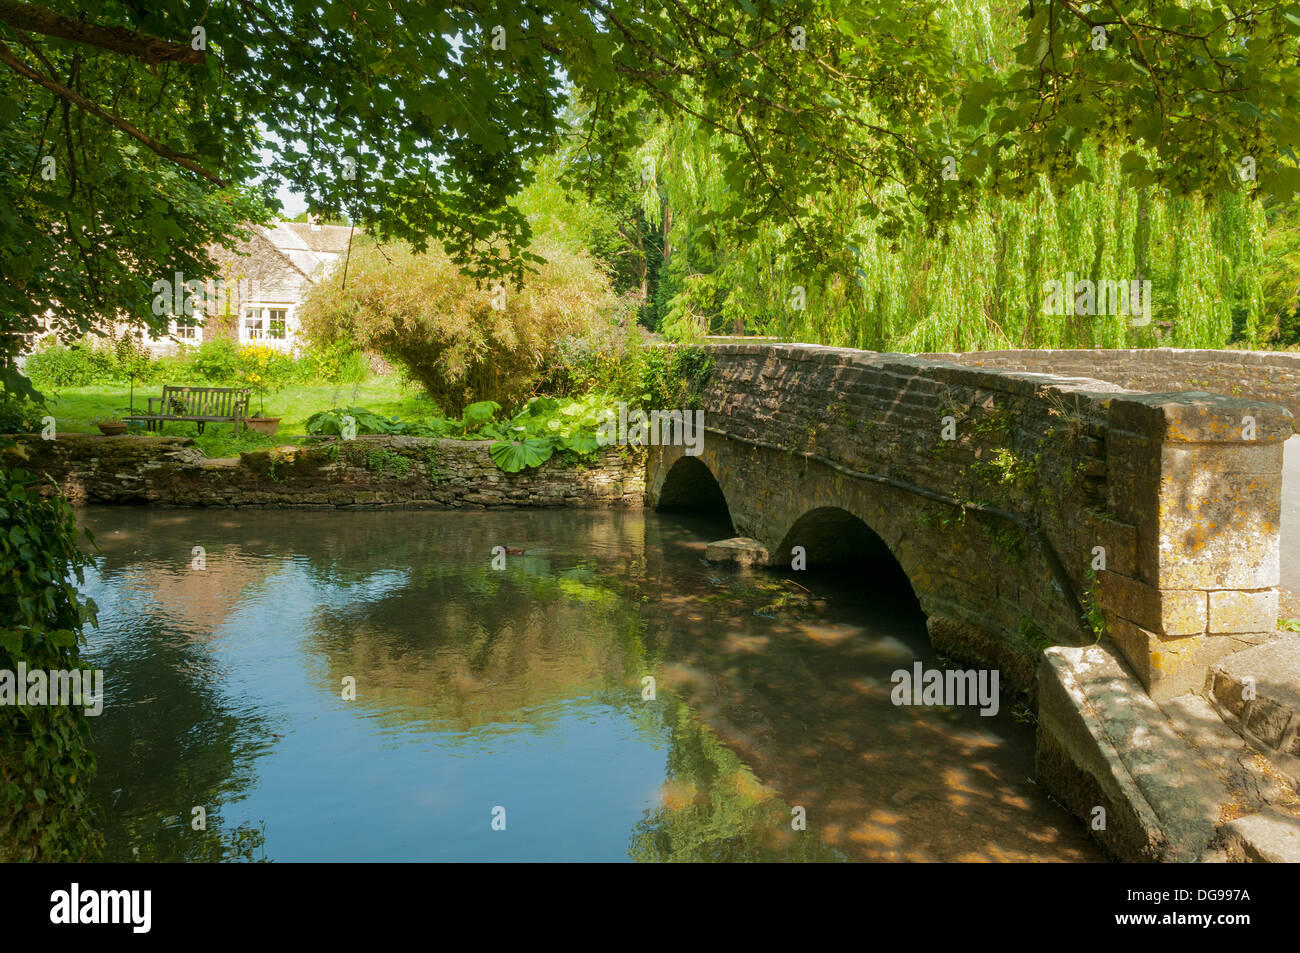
x,y
983,282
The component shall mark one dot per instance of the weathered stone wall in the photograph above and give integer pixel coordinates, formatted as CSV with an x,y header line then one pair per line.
x,y
1271,376
366,472
999,529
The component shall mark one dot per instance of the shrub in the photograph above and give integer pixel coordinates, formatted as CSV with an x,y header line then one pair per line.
x,y
91,361
329,423
87,362
176,369
266,370
18,415
421,312
543,427
132,360
216,362
334,362
624,367
607,359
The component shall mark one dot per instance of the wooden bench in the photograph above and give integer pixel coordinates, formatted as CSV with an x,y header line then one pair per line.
x,y
201,405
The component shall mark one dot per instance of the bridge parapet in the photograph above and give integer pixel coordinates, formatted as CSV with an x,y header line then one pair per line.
x,y
1026,509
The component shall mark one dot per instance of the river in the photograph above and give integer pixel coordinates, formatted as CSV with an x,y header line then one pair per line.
x,y
606,696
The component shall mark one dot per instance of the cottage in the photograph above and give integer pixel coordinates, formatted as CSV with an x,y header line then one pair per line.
x,y
264,281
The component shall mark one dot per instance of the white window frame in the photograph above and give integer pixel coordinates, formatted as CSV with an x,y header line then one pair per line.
x,y
284,324
263,311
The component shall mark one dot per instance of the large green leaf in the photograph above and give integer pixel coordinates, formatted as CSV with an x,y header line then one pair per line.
x,y
515,455
583,441
479,414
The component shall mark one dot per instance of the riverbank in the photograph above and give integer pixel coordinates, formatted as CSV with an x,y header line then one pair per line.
x,y
365,473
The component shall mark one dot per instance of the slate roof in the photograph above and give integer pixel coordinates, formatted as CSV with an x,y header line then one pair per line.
x,y
310,250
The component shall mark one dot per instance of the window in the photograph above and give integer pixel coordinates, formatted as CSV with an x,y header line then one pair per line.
x,y
187,328
265,323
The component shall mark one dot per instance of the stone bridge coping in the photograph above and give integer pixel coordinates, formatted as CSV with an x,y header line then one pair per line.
x,y
1130,354
1138,355
1172,416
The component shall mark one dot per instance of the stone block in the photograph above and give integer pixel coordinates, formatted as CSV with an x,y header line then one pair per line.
x,y
1263,838
1170,665
740,550
1235,610
1133,483
1260,687
1164,611
1216,524
1118,539
1200,417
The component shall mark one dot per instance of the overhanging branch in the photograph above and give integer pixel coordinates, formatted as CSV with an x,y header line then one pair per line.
x,y
146,49
85,104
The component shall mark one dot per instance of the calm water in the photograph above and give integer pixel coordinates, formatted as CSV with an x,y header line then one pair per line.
x,y
521,689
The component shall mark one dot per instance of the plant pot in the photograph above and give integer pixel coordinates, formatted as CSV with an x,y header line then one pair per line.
x,y
266,425
111,430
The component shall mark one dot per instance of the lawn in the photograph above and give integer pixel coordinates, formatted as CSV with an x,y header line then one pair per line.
x,y
76,409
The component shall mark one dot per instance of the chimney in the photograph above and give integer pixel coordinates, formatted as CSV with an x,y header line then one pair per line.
x,y
312,222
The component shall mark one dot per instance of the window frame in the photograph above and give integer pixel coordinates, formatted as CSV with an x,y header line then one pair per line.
x,y
265,318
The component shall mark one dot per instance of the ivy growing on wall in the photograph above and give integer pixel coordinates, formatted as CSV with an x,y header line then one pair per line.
x,y
46,810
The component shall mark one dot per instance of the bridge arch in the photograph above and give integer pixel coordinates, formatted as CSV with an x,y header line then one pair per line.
x,y
832,536
689,485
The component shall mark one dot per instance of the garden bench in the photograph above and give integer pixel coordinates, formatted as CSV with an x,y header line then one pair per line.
x,y
202,405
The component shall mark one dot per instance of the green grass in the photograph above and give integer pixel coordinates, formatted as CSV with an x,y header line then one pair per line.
x,y
75,410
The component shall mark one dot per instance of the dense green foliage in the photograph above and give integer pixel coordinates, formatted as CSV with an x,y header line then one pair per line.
x,y
646,378
219,362
330,423
981,282
132,136
46,812
985,287
543,427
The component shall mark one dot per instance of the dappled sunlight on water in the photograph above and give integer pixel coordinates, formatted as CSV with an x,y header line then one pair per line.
x,y
526,689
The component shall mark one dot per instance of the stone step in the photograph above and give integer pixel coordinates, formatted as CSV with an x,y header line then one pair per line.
x,y
1261,838
1257,691
1103,743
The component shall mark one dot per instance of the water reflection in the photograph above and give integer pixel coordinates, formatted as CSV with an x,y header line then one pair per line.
x,y
522,689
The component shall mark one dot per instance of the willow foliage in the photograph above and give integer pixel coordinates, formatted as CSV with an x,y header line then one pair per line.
x,y
982,282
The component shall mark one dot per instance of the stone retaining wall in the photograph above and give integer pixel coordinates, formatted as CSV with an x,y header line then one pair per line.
x,y
366,472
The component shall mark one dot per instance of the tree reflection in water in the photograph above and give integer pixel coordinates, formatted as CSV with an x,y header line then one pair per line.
x,y
772,693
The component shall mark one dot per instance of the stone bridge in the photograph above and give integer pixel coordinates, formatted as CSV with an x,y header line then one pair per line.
x,y
1027,510
1103,527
